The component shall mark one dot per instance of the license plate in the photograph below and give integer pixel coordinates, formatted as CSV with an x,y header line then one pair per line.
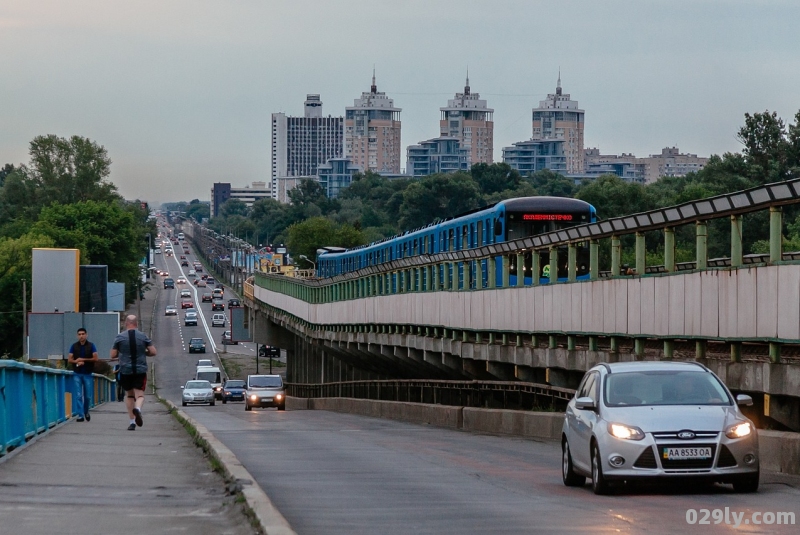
x,y
682,454
266,399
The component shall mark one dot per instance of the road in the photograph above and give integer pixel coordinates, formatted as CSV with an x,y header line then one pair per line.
x,y
331,473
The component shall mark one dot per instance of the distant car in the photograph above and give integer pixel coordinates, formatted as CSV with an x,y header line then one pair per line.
x,y
197,392
233,303
217,304
186,294
226,339
190,318
171,310
217,293
220,285
169,283
233,390
211,280
204,362
185,263
200,283
181,280
657,420
265,391
191,272
218,320
183,257
187,303
158,251
164,273
197,345
198,267
207,298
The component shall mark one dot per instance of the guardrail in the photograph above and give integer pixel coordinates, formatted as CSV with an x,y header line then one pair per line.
x,y
490,394
34,399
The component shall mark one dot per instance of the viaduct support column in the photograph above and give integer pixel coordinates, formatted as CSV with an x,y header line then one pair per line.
x,y
701,228
775,233
736,241
616,255
669,249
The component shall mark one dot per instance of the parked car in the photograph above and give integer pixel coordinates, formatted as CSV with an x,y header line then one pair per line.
x,y
233,390
226,338
169,284
197,392
217,304
190,318
657,420
218,320
171,310
265,391
197,345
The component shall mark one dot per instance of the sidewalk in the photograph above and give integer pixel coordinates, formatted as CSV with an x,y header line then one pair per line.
x,y
99,478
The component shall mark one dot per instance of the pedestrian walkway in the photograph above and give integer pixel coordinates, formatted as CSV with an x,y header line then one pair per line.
x,y
99,478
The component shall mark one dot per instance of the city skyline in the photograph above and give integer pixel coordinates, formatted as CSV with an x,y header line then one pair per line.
x,y
181,95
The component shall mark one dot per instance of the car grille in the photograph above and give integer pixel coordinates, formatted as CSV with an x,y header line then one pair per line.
x,y
646,460
687,464
726,458
673,435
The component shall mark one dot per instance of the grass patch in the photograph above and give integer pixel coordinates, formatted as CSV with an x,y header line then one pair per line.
x,y
232,368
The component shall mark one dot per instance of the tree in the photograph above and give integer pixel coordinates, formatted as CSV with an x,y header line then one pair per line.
x,y
438,196
613,197
496,177
309,235
765,146
16,260
552,184
198,211
233,207
6,170
270,218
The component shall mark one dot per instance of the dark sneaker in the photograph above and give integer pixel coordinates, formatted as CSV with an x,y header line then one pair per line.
x,y
132,427
88,417
137,414
80,419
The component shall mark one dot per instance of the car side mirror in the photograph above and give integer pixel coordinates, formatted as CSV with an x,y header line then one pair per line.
x,y
585,404
744,399
181,388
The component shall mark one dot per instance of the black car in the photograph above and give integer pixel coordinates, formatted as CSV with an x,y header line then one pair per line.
x,y
184,263
169,283
217,304
233,303
207,298
197,345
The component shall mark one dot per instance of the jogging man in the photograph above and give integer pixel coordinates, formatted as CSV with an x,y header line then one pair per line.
x,y
132,347
82,356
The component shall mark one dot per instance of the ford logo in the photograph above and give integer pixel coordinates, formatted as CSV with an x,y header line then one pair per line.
x,y
686,435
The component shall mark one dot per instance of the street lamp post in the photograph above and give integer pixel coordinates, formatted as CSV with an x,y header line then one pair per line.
x,y
304,257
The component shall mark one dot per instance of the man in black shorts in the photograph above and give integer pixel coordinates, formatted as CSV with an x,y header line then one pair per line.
x,y
132,347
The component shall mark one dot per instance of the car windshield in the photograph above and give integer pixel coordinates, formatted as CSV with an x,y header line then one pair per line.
x,y
265,382
194,385
212,377
196,341
234,384
664,388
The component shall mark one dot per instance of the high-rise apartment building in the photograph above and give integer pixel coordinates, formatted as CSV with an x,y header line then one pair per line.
x,y
469,120
440,155
222,191
300,144
558,117
372,132
536,155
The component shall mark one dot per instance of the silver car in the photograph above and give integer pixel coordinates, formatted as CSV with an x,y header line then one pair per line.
x,y
264,391
197,392
641,420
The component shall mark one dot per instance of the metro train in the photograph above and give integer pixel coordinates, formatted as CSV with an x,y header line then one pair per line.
x,y
506,220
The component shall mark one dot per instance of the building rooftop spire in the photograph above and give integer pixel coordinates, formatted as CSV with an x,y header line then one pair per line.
x,y
558,84
466,87
373,88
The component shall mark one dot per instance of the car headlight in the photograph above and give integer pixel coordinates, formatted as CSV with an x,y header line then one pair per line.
x,y
278,396
739,430
625,432
227,393
254,397
217,389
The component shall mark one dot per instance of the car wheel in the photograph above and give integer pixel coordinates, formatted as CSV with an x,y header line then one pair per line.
x,y
281,407
247,407
568,474
746,484
183,403
599,483
213,403
224,401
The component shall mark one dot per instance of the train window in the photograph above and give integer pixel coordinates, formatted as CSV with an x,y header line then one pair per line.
x,y
464,235
480,234
451,239
498,227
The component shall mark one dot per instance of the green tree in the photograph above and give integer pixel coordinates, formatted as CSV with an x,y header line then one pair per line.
x,y
233,207
307,236
16,259
198,211
613,197
494,178
438,196
6,170
270,218
552,184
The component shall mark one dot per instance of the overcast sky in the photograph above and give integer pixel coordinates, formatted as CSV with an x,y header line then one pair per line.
x,y
180,92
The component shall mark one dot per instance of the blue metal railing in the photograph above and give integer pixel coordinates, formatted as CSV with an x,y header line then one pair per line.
x,y
34,399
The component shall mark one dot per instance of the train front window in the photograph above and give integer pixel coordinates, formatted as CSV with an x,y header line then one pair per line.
x,y
522,225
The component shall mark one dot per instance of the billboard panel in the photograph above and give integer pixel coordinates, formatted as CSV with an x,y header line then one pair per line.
x,y
55,280
51,335
116,296
240,330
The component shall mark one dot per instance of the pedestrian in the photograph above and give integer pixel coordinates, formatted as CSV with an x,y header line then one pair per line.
x,y
132,347
82,356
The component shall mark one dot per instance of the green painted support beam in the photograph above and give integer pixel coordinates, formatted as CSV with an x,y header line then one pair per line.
x,y
775,233
737,258
736,352
572,262
669,349
506,267
553,265
616,255
614,344
774,352
669,249
640,253
535,267
552,342
594,260
592,343
491,264
520,258
571,343
638,347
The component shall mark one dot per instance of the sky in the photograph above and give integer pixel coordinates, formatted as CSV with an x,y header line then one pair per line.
x,y
180,92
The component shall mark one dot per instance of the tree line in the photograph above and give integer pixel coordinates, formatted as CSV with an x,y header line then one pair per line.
x,y
374,207
62,198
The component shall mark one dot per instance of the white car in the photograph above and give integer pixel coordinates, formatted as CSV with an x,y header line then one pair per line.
x,y
657,420
197,392
186,293
181,280
192,273
171,310
218,320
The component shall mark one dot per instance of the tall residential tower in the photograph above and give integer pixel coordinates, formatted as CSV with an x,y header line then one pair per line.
x,y
469,120
559,118
372,132
301,144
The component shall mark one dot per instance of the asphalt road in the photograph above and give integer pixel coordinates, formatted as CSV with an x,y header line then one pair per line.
x,y
331,473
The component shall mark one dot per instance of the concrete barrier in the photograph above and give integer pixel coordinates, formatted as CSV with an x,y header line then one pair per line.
x,y
516,423
779,451
296,404
438,415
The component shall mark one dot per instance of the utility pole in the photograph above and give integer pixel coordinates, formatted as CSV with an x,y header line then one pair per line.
x,y
258,349
25,320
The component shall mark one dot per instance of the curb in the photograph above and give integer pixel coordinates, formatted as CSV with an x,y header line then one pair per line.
x,y
270,520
